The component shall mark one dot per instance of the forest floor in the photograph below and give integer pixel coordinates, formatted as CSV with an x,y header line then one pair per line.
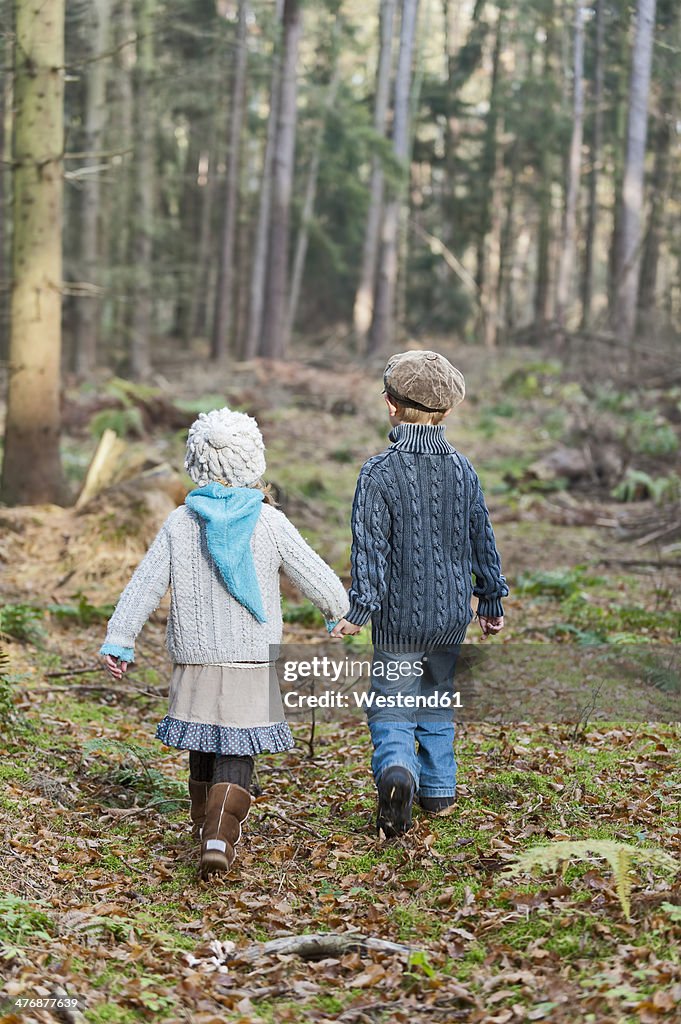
x,y
100,900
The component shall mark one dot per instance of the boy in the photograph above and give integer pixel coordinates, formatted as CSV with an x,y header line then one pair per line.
x,y
420,529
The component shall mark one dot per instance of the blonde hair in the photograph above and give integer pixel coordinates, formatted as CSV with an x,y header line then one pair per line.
x,y
258,485
409,415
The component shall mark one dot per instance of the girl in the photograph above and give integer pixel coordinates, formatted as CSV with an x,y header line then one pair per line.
x,y
221,553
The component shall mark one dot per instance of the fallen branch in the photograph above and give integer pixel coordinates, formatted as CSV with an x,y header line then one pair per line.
x,y
655,563
319,945
72,672
97,688
290,821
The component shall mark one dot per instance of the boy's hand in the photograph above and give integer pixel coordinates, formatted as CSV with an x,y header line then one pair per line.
x,y
490,626
345,628
115,667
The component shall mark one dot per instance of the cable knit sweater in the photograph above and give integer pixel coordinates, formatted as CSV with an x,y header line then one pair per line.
x,y
206,625
420,528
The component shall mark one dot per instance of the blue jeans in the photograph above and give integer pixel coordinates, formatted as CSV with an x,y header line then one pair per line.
x,y
421,738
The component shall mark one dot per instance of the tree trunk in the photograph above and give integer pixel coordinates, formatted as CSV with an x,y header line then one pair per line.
x,y
622,47
224,292
568,250
489,229
543,279
627,274
505,281
452,12
197,313
283,166
4,208
31,471
659,192
143,225
383,322
88,305
661,178
262,230
595,157
120,136
364,296
309,202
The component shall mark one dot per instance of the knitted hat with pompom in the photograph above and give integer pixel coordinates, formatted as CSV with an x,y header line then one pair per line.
x,y
225,446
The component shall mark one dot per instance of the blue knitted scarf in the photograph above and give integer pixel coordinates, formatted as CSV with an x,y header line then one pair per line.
x,y
230,515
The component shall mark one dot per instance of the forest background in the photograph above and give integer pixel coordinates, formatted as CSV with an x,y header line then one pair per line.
x,y
256,203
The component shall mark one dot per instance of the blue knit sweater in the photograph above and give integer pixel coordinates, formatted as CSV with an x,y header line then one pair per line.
x,y
420,529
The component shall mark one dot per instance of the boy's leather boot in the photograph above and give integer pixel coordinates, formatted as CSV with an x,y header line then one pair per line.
x,y
396,789
227,807
438,805
198,793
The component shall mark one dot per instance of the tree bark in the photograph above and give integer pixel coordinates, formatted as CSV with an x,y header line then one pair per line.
x,y
283,166
262,230
659,193
143,226
661,177
120,136
569,247
628,265
31,471
88,306
542,293
505,280
4,213
309,203
364,296
197,313
383,321
224,292
452,12
595,158
489,230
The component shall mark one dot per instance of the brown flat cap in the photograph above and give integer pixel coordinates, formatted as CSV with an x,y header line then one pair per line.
x,y
423,380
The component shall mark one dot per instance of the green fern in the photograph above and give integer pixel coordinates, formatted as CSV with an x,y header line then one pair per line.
x,y
619,855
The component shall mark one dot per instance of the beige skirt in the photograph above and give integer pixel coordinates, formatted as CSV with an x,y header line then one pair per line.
x,y
233,708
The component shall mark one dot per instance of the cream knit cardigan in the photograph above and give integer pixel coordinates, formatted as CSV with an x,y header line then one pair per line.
x,y
206,625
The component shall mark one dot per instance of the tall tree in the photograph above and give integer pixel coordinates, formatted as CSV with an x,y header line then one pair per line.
x,y
629,257
283,166
88,305
364,296
224,292
262,228
569,246
661,177
4,312
542,292
595,156
383,321
144,189
488,246
307,212
31,471
120,138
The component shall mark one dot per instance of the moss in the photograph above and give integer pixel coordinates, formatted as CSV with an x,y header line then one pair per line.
x,y
14,773
109,1013
413,921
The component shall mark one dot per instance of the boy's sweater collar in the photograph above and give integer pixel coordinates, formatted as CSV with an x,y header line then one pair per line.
x,y
420,437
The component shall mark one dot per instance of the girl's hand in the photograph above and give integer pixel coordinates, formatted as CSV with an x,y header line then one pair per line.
x,y
490,626
345,628
115,667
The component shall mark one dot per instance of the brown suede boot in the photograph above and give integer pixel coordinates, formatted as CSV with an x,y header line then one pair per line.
x,y
227,806
198,792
